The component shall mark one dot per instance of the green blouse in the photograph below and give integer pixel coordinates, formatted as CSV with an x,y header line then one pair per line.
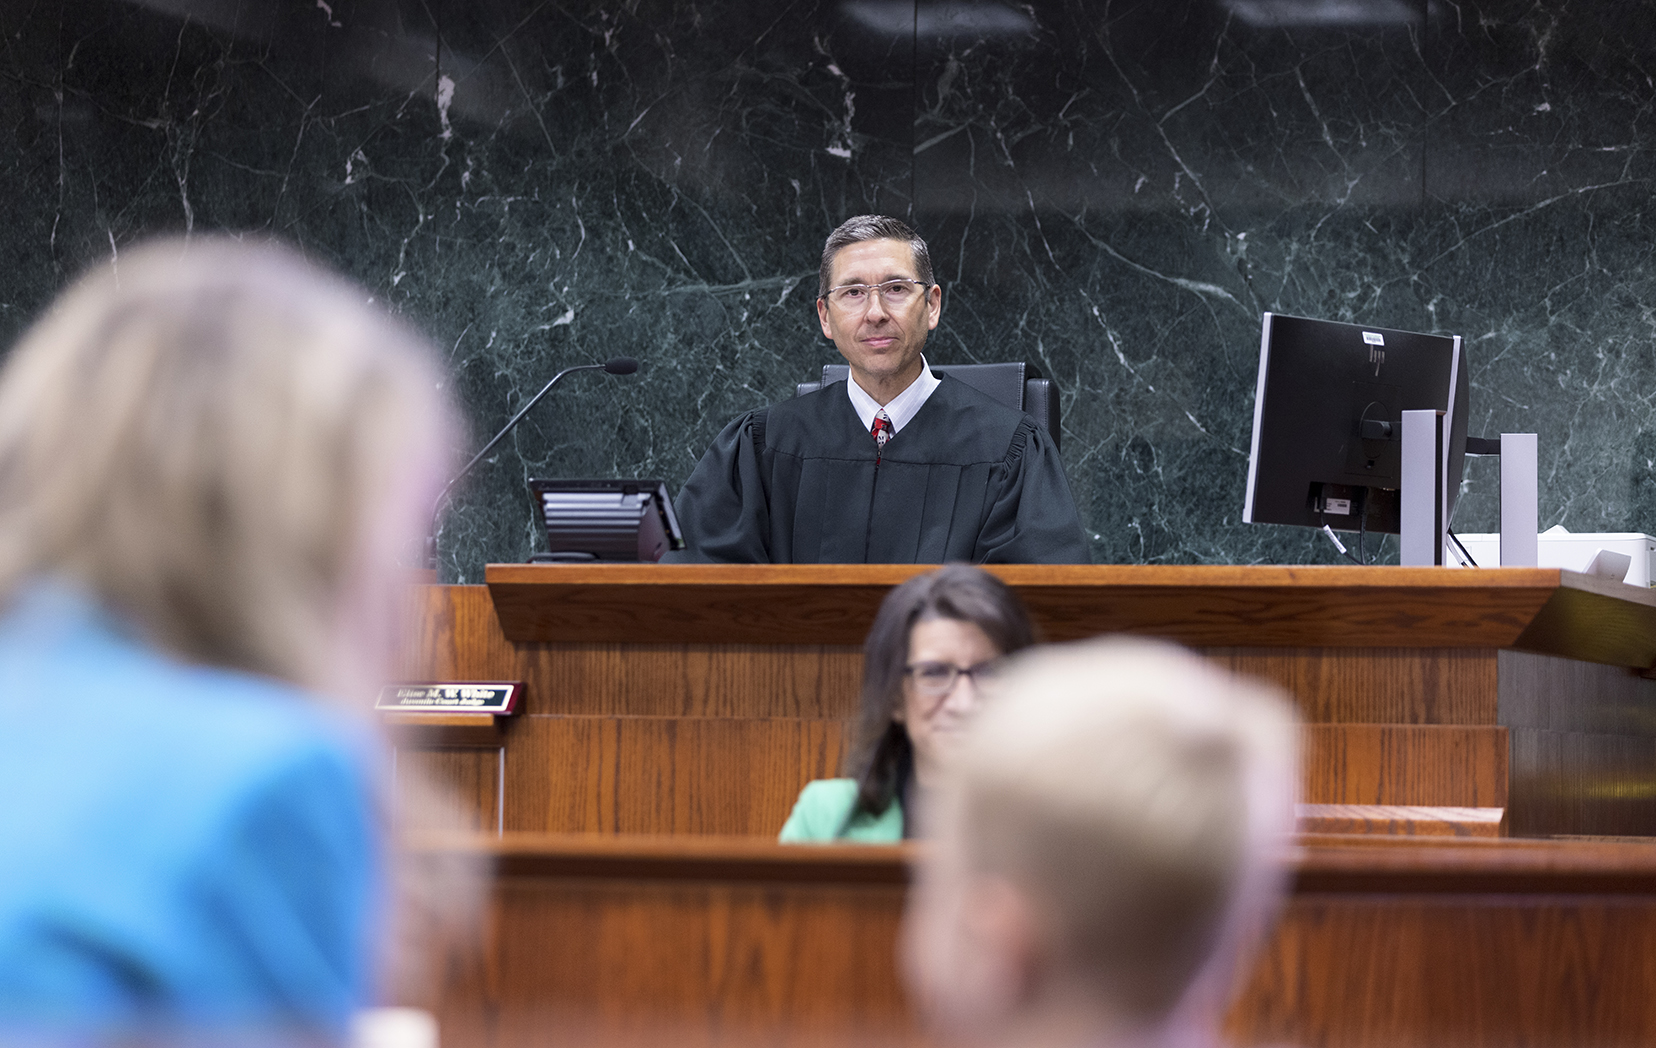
x,y
823,811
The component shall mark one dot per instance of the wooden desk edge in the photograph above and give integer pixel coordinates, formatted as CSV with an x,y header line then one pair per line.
x,y
1038,575
1542,610
1315,864
673,857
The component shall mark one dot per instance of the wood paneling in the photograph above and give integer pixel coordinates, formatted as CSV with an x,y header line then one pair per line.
x,y
454,634
686,939
448,788
1583,746
655,857
1595,620
1356,865
680,680
1580,783
1414,970
1554,694
764,954
457,637
741,776
1399,820
1412,942
663,774
1579,761
1376,685
434,730
1200,605
1436,765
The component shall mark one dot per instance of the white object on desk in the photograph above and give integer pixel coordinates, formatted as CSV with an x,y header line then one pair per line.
x,y
1608,564
1558,548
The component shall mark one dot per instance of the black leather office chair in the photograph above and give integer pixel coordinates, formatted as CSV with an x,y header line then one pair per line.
x,y
1018,386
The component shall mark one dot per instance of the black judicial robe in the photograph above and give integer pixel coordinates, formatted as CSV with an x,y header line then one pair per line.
x,y
800,482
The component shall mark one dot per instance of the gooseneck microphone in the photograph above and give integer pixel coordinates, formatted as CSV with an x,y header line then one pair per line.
x,y
617,366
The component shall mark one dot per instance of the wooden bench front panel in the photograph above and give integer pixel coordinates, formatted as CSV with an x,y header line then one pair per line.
x,y
740,777
697,940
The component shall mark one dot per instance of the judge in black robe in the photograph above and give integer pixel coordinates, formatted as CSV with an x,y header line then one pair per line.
x,y
966,479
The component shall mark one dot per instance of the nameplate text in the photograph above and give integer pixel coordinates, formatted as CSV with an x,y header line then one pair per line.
x,y
499,697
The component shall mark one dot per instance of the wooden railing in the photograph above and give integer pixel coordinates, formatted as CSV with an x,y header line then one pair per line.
x,y
1384,941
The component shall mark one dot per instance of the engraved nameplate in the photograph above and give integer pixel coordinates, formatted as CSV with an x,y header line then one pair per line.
x,y
499,697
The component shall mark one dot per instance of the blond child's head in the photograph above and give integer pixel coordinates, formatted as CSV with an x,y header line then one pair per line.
x,y
1103,846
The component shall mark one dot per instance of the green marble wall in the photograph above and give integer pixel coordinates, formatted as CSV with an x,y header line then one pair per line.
x,y
1112,191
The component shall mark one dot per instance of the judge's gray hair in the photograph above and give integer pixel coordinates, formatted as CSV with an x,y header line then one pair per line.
x,y
873,227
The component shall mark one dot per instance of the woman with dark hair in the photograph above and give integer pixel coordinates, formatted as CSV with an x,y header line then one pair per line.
x,y
935,639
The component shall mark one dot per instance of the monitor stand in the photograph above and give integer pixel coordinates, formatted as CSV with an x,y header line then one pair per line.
x,y
1424,490
1520,501
1423,529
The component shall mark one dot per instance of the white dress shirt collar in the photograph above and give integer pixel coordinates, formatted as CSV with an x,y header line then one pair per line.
x,y
902,407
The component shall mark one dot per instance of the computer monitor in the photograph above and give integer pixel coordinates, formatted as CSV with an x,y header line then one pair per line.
x,y
1327,421
603,519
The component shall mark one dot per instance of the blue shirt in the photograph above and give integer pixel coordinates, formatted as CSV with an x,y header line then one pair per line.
x,y
179,845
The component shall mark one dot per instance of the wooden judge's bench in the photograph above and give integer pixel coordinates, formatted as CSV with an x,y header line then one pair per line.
x,y
1480,750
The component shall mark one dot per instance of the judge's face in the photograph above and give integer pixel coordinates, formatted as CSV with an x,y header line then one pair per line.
x,y
882,343
935,718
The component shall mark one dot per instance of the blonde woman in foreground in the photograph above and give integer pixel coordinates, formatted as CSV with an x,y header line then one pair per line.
x,y
1103,854
210,457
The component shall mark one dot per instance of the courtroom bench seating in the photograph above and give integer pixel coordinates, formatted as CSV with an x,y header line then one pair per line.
x,y
1384,941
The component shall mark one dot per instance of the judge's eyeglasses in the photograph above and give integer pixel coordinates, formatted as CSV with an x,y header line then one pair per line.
x,y
895,294
939,678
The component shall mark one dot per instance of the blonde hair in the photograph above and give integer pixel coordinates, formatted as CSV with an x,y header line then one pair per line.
x,y
1133,791
203,436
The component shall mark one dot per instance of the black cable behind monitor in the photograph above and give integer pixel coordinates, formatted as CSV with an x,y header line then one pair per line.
x,y
1464,551
1485,446
1362,530
1362,525
617,366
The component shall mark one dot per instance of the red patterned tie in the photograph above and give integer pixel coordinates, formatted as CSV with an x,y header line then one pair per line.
x,y
881,432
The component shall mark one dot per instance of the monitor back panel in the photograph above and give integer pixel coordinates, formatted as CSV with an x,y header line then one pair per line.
x,y
1318,381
